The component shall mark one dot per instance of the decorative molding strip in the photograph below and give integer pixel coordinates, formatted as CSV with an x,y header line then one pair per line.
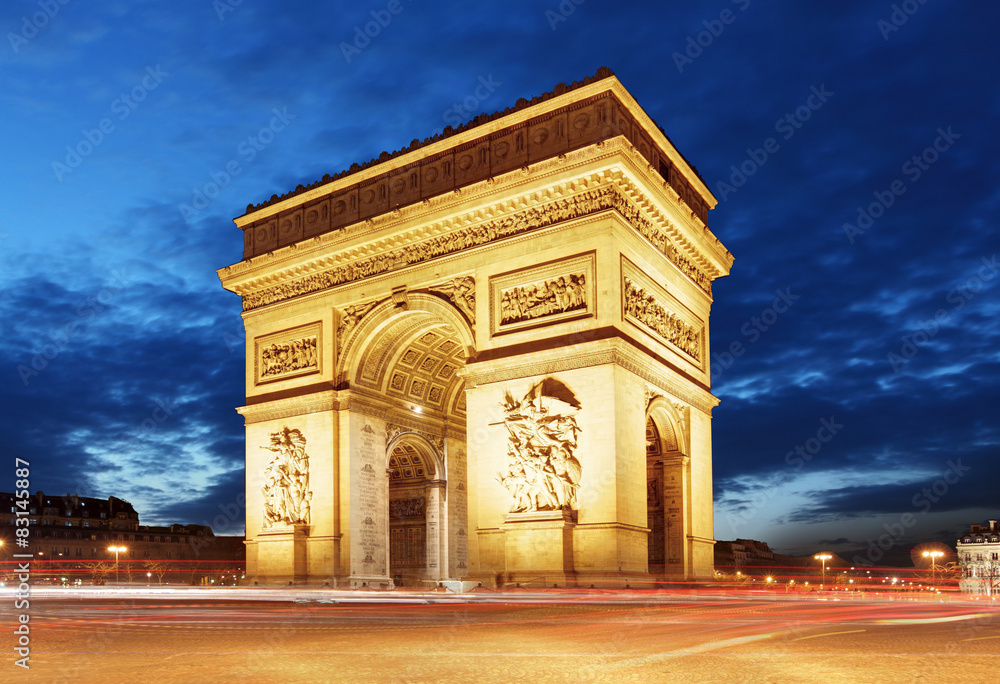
x,y
618,353
644,308
542,216
288,354
288,408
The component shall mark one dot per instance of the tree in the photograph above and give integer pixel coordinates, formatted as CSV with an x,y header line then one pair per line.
x,y
99,570
158,568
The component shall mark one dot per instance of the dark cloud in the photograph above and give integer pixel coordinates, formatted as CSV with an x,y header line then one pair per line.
x,y
891,331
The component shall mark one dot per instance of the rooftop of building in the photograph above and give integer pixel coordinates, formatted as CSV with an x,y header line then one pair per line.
x,y
450,131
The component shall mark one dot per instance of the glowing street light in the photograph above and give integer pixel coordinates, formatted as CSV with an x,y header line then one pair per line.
x,y
117,549
933,555
824,557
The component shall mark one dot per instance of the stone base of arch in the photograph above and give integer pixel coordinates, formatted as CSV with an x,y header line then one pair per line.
x,y
281,554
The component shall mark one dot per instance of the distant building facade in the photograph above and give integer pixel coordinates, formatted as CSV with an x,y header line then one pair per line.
x,y
979,556
74,532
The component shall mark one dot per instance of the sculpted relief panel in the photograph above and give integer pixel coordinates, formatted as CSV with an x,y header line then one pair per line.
x,y
286,490
287,354
543,473
644,306
562,290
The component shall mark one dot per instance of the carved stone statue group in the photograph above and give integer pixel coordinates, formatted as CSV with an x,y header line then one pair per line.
x,y
543,474
667,325
557,295
406,508
286,490
277,359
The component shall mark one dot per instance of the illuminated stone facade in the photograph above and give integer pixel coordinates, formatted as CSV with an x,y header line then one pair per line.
x,y
494,344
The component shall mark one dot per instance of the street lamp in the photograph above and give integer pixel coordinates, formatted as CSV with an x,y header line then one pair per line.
x,y
824,557
933,555
117,549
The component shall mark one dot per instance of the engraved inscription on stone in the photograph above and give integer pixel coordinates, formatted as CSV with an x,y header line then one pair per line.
x,y
543,298
371,488
643,307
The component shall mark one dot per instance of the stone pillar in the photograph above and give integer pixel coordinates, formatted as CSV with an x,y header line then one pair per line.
x,y
432,510
675,556
369,503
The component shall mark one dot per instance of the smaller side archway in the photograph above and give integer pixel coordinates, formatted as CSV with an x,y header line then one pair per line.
x,y
417,510
668,487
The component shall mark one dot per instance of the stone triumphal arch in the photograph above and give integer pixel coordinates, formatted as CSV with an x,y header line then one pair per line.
x,y
485,357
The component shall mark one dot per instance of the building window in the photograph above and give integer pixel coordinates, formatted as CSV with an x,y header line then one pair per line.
x,y
103,514
79,551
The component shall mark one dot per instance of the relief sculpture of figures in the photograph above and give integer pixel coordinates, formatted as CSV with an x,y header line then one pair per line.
x,y
462,292
543,473
350,318
406,508
286,480
644,308
286,357
546,297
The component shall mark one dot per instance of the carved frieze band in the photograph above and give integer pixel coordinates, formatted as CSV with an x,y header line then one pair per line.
x,y
532,219
287,354
643,307
541,295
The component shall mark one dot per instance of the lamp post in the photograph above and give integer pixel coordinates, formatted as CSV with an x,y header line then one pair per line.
x,y
117,549
933,555
824,557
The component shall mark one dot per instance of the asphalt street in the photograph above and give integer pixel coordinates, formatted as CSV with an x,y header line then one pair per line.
x,y
486,638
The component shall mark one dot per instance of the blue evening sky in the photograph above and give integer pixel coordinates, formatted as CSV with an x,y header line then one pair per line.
x,y
123,357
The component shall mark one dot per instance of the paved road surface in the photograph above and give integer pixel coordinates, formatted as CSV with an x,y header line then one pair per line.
x,y
193,638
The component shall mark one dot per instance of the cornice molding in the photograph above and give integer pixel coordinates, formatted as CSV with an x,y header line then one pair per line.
x,y
611,352
321,253
290,407
360,264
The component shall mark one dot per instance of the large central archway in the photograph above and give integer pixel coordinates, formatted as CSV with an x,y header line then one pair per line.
x,y
402,361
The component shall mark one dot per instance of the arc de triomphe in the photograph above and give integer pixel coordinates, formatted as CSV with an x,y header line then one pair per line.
x,y
485,357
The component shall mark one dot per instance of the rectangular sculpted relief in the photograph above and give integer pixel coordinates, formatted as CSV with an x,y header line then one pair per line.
x,y
287,354
541,295
651,309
